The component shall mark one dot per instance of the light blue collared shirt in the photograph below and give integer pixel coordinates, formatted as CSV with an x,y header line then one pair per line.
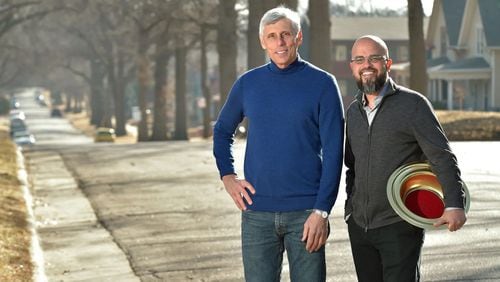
x,y
370,113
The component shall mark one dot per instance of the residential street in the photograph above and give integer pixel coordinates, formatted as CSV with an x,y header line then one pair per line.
x,y
157,211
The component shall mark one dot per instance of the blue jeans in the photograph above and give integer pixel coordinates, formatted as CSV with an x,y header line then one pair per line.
x,y
266,235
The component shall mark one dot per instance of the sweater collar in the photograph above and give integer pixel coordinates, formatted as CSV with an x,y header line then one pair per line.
x,y
297,65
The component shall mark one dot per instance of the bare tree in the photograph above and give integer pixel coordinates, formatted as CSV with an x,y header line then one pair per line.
x,y
207,96
226,46
204,15
319,46
255,55
14,14
162,56
113,27
180,91
292,4
147,16
87,23
418,67
98,100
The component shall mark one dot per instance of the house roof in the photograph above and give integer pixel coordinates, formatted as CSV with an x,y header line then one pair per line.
x,y
453,13
469,68
437,61
440,62
387,28
467,64
490,15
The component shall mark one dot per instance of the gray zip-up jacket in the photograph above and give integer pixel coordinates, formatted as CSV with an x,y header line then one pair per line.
x,y
404,130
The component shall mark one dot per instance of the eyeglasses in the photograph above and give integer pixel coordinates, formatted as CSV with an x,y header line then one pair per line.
x,y
373,59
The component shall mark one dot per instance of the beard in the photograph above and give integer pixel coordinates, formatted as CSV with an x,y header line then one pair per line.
x,y
372,85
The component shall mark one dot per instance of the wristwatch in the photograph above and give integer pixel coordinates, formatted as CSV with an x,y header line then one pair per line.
x,y
323,214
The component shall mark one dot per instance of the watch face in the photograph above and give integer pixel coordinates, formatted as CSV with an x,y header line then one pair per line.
x,y
323,214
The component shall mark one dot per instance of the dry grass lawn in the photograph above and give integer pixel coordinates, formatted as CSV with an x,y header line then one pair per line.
x,y
470,126
15,237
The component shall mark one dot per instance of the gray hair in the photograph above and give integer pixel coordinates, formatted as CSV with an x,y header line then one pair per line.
x,y
279,13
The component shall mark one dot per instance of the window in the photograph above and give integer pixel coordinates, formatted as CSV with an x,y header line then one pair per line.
x,y
403,53
340,53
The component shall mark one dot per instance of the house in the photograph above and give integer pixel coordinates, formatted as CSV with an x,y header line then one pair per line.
x,y
345,30
464,48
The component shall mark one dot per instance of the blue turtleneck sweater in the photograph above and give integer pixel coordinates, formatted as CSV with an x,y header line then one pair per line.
x,y
295,137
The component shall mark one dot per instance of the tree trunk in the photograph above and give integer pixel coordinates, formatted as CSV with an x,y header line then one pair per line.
x,y
160,104
320,43
180,94
207,96
119,96
226,47
144,79
418,64
96,93
107,98
292,4
69,99
78,103
255,55
111,73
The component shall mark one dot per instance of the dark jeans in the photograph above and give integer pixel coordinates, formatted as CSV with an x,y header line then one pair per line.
x,y
265,236
389,253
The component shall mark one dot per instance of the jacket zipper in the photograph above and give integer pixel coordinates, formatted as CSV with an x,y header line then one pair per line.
x,y
367,198
365,116
368,172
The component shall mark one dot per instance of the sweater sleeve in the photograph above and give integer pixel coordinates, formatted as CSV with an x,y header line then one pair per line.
x,y
223,138
433,142
331,130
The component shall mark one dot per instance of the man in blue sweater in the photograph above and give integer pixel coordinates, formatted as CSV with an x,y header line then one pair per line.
x,y
293,156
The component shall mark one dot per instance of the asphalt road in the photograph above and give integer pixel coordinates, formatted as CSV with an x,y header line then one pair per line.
x,y
157,211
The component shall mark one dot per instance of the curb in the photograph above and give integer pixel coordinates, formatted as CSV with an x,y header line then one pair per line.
x,y
35,249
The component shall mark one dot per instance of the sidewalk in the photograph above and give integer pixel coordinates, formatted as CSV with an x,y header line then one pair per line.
x,y
75,246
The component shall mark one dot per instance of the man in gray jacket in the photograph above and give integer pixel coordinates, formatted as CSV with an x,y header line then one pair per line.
x,y
389,126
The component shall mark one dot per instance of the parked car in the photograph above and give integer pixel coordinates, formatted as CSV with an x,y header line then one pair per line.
x,y
17,114
104,134
17,124
23,138
14,104
41,100
55,112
